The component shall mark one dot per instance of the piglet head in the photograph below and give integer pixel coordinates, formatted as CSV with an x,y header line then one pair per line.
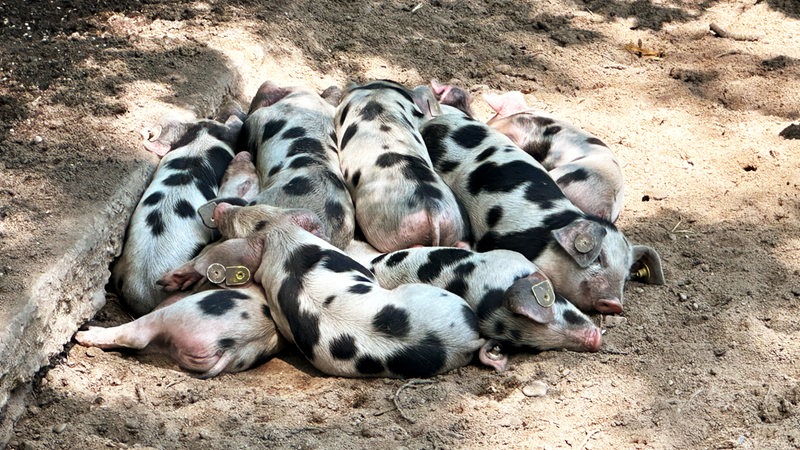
x,y
594,261
544,320
245,221
592,265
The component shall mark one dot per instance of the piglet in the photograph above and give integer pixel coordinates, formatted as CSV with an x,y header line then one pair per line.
x,y
210,332
400,201
515,302
165,230
513,204
582,165
331,307
290,130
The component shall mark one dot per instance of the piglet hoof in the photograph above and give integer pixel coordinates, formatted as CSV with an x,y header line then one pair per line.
x,y
492,355
179,279
92,337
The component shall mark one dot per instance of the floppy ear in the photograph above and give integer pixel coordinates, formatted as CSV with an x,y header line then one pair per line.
x,y
308,221
646,266
268,94
531,297
507,104
426,101
582,239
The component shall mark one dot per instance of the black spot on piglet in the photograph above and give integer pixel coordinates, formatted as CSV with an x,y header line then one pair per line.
x,y
343,347
219,302
371,110
424,359
392,322
470,136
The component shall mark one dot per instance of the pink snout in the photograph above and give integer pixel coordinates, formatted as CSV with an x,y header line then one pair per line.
x,y
608,306
593,339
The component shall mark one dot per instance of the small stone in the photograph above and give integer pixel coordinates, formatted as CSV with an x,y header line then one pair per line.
x,y
614,321
719,352
638,290
683,296
33,410
535,389
371,433
92,352
37,139
791,132
796,292
695,306
131,424
58,429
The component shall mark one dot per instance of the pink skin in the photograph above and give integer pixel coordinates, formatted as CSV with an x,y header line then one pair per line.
x,y
240,179
232,252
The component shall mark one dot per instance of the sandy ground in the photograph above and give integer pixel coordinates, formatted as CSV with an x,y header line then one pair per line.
x,y
710,360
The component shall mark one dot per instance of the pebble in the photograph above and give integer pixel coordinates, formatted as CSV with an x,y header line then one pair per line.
x,y
638,290
695,306
614,321
796,292
535,389
683,296
37,139
59,428
91,352
33,410
131,424
718,352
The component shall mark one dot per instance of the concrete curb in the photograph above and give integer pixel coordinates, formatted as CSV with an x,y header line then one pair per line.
x,y
72,289
57,303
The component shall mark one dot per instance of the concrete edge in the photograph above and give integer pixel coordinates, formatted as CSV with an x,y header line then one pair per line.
x,y
72,289
57,301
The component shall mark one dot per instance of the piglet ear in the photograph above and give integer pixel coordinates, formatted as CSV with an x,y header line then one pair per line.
x,y
268,94
507,104
426,101
646,266
582,239
308,221
531,297
332,94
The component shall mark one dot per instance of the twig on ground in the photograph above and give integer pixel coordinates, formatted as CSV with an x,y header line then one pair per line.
x,y
588,436
411,383
173,383
730,35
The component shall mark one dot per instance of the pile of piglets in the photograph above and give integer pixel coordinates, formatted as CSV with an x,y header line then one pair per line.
x,y
383,230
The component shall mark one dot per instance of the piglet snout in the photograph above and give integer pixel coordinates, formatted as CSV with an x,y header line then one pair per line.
x,y
609,306
592,339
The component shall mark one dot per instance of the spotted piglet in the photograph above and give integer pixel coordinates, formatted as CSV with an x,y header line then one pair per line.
x,y
338,316
514,204
400,201
165,230
514,300
582,165
290,130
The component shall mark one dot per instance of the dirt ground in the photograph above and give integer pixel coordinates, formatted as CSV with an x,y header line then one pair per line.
x,y
710,360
